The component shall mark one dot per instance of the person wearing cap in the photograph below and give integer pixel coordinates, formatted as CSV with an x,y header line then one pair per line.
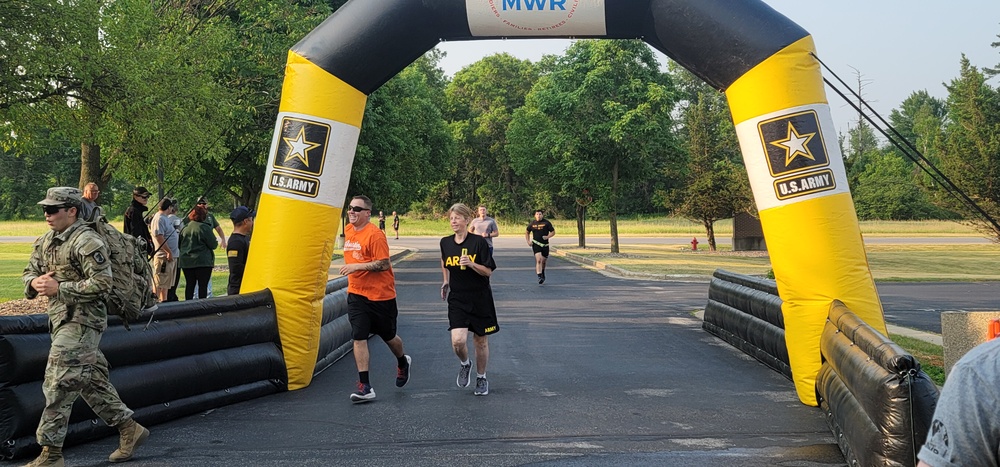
x,y
239,246
135,224
70,265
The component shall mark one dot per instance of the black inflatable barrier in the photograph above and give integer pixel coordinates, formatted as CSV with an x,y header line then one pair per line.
x,y
745,311
877,401
193,356
335,339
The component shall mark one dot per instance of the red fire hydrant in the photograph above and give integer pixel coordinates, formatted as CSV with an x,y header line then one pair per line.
x,y
694,244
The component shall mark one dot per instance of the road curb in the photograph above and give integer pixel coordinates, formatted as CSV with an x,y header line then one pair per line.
x,y
624,273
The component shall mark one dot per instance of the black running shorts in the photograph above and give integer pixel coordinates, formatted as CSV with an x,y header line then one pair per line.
x,y
371,318
474,311
544,250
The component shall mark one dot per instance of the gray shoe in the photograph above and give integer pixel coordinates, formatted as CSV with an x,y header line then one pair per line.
x,y
463,375
482,386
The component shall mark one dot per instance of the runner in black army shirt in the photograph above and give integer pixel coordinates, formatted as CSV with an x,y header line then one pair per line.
x,y
466,264
537,235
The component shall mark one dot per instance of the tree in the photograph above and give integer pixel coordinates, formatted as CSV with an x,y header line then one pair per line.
x,y
886,190
598,120
970,149
481,100
713,183
131,83
405,146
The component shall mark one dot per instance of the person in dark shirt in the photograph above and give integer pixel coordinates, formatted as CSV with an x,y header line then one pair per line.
x,y
467,264
537,235
238,246
135,224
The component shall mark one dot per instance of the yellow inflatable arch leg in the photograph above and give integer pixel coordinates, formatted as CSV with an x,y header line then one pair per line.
x,y
799,182
316,134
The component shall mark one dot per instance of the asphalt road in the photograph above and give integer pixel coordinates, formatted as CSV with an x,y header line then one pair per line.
x,y
587,369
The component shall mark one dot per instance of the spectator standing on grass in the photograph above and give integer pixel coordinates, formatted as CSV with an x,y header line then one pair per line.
x,y
239,247
89,209
135,223
176,222
70,266
210,219
395,223
166,249
197,253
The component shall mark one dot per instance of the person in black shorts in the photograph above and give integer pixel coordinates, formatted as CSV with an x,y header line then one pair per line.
x,y
537,235
467,264
371,295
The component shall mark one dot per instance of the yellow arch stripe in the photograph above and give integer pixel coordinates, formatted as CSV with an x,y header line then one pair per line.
x,y
787,79
294,236
317,92
815,244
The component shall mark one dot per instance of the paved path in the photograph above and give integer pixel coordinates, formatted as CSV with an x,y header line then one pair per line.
x,y
587,370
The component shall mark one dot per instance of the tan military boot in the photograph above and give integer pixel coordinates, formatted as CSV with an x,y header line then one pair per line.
x,y
132,436
50,457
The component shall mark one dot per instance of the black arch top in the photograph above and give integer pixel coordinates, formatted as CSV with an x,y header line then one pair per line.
x,y
366,43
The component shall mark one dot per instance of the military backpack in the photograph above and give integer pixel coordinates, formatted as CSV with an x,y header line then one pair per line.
x,y
132,277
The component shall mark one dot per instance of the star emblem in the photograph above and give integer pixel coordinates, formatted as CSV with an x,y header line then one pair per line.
x,y
299,147
795,145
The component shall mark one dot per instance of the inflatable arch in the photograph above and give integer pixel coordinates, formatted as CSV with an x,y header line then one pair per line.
x,y
762,60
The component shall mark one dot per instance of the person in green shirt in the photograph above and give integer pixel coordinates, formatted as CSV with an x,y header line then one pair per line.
x,y
197,257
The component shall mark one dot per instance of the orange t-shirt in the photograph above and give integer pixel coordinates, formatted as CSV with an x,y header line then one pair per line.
x,y
364,246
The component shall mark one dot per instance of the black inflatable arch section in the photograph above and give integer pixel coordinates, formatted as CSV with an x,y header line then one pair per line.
x,y
717,40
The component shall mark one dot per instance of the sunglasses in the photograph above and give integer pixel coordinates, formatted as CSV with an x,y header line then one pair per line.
x,y
357,209
52,210
144,196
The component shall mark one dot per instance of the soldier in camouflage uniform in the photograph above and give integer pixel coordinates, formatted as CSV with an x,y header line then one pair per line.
x,y
70,265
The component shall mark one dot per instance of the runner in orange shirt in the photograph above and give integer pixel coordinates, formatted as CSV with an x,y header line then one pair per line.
x,y
371,294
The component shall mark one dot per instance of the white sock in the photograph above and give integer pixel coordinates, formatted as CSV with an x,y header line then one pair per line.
x,y
467,363
480,375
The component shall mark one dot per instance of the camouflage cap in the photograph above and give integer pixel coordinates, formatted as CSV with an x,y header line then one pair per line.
x,y
63,196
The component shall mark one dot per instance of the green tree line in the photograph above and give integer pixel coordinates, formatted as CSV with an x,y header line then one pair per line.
x,y
181,96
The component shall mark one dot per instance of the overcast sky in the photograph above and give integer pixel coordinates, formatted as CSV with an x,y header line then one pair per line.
x,y
897,46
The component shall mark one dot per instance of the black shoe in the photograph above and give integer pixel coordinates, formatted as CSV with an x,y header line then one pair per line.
x,y
403,373
541,278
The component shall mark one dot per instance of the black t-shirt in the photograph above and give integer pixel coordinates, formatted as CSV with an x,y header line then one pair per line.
x,y
136,226
540,229
236,252
466,280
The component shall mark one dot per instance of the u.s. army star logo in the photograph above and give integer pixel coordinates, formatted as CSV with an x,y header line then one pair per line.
x,y
302,146
793,143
